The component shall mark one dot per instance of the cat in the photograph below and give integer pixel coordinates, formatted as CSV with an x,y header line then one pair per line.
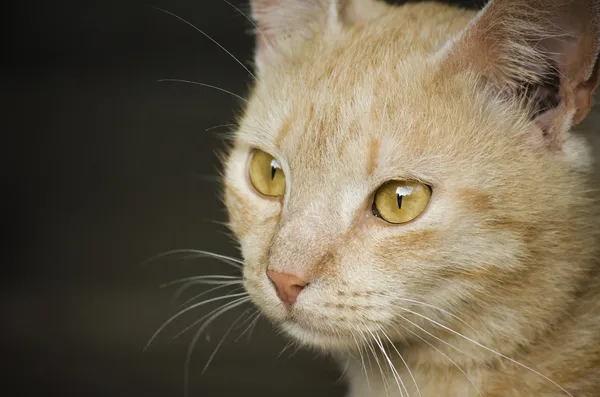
x,y
411,192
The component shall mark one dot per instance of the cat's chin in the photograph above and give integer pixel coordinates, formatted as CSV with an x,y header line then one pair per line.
x,y
319,338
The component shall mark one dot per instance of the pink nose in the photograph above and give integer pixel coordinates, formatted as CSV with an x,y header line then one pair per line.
x,y
288,286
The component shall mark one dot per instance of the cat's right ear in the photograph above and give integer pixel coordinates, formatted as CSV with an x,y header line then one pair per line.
x,y
282,24
542,51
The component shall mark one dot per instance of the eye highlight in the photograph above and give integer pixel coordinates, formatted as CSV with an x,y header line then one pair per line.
x,y
266,174
401,201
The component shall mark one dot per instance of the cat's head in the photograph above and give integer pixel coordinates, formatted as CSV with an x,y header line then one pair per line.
x,y
384,173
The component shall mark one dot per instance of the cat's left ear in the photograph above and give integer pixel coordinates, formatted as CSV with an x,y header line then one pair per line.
x,y
283,24
544,51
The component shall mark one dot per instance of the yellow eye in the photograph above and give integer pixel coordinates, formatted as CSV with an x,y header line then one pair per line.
x,y
401,201
266,174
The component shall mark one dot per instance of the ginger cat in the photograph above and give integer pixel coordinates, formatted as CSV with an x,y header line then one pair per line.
x,y
412,195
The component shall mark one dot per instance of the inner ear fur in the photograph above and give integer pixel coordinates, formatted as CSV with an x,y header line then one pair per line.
x,y
542,53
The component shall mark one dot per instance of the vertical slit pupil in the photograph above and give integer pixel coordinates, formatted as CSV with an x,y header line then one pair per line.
x,y
399,199
274,167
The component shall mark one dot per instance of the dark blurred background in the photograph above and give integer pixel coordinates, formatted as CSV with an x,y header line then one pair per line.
x,y
104,167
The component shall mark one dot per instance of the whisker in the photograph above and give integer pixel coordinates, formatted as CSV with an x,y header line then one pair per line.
x,y
258,30
404,361
383,377
443,341
432,307
362,360
444,355
182,312
219,126
214,87
345,369
197,254
211,277
365,341
287,346
248,318
188,359
249,19
212,356
296,350
184,287
250,327
196,322
208,37
395,373
253,327
490,350
190,300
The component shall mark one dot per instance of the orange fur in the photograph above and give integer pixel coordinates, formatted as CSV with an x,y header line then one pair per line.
x,y
509,240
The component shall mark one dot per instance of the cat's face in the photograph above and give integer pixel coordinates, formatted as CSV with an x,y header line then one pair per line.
x,y
348,116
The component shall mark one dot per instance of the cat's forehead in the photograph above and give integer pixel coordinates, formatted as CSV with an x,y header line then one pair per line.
x,y
367,121
370,110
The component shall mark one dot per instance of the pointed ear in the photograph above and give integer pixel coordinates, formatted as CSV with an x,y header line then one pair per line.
x,y
282,23
543,51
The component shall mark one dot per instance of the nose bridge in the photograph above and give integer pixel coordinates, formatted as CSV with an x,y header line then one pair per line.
x,y
304,238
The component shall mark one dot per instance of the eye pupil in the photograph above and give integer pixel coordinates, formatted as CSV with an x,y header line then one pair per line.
x,y
399,200
274,167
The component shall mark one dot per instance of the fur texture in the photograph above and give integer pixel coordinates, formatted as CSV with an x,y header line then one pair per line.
x,y
495,289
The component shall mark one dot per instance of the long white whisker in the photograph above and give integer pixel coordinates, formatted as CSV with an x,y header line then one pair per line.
x,y
198,321
195,340
490,350
181,312
208,37
401,358
442,341
395,373
198,254
432,307
442,353
186,286
194,298
250,326
210,277
383,377
364,339
214,87
248,318
212,356
362,360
